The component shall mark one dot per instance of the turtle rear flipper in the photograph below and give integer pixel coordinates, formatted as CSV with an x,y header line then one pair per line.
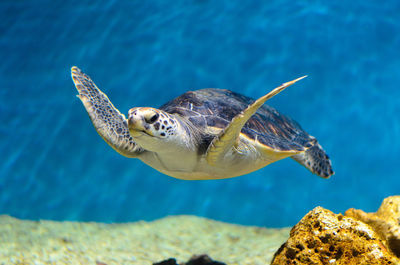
x,y
316,160
108,121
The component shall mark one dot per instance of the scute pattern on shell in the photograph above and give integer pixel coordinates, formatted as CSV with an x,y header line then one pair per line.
x,y
217,107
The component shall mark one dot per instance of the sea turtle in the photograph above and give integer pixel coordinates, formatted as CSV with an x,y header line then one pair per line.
x,y
203,134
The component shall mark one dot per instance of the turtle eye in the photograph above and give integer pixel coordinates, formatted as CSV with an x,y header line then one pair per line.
x,y
152,119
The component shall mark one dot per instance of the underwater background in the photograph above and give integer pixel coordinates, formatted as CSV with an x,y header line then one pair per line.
x,y
143,53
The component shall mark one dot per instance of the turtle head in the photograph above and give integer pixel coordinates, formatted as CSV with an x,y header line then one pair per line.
x,y
153,129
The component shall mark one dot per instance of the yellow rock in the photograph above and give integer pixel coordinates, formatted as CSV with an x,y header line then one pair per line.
x,y
385,222
323,237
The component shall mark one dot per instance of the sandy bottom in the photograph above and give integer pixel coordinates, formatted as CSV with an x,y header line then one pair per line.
x,y
48,242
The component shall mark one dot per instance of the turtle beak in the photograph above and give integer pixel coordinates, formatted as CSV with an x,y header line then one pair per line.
x,y
138,122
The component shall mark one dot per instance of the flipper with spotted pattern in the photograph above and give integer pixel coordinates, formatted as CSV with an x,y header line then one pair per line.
x,y
111,125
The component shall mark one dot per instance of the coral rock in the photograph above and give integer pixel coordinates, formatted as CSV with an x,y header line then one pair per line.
x,y
323,237
385,222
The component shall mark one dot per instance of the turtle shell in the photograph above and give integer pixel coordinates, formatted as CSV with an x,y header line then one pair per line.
x,y
217,107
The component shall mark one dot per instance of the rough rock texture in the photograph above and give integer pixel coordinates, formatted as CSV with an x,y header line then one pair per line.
x,y
195,260
385,222
141,243
323,237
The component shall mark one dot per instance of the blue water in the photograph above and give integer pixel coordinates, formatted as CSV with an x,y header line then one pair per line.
x,y
142,53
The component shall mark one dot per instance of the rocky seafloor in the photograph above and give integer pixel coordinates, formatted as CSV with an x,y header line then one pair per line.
x,y
321,237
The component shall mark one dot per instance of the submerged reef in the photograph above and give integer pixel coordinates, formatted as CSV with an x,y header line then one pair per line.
x,y
321,237
385,222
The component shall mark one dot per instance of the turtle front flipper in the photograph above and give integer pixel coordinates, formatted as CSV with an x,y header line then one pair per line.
x,y
108,121
229,137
